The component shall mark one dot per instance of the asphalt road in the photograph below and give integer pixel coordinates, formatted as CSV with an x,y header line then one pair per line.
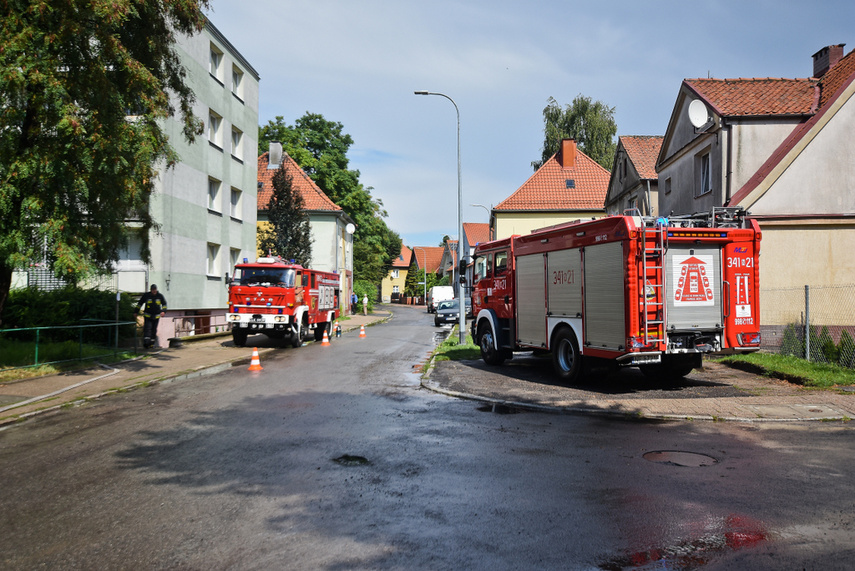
x,y
335,458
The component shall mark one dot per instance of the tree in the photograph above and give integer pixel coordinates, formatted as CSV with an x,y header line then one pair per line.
x,y
84,87
290,234
320,148
591,124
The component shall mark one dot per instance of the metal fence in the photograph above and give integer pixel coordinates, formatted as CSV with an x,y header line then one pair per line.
x,y
34,346
812,322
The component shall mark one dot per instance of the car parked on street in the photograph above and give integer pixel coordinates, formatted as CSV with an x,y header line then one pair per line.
x,y
448,312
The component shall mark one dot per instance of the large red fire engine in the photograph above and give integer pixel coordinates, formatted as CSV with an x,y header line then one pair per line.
x,y
281,300
654,293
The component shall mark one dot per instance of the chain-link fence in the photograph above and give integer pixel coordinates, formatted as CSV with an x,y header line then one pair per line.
x,y
812,322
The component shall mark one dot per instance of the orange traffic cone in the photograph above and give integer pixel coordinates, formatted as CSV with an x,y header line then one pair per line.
x,y
255,365
326,340
362,331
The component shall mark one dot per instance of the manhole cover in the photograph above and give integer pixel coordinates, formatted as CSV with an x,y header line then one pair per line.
x,y
677,458
348,460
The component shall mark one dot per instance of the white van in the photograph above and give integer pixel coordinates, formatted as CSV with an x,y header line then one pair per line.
x,y
437,294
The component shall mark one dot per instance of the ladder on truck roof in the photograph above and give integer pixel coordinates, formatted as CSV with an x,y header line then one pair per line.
x,y
653,276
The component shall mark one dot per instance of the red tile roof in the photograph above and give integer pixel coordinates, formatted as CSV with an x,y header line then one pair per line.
x,y
433,255
476,232
556,188
313,197
403,259
832,84
758,96
643,150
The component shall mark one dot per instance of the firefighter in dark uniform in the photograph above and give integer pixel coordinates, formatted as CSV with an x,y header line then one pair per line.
x,y
153,306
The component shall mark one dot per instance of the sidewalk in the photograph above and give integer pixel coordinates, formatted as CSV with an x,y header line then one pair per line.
x,y
715,393
204,355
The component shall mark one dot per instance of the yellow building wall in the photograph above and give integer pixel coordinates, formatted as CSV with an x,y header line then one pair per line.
x,y
508,224
388,283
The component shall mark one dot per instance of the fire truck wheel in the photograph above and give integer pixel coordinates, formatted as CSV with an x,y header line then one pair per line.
x,y
319,331
566,359
489,353
297,338
239,336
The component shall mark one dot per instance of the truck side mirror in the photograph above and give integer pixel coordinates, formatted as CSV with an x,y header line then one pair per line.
x,y
228,280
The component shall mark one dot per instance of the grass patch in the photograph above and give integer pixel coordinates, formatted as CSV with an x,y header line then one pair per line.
x,y
91,356
452,350
793,369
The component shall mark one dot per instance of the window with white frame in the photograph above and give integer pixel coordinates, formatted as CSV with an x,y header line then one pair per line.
x,y
213,262
234,258
237,82
234,203
396,289
704,174
214,194
237,137
215,135
216,63
395,274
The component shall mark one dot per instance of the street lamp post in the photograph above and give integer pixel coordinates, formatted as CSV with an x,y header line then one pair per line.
x,y
424,271
462,279
489,217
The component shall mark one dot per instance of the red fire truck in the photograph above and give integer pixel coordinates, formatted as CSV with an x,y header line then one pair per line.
x,y
281,300
653,293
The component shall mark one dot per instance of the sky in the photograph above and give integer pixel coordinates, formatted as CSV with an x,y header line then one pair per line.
x,y
358,63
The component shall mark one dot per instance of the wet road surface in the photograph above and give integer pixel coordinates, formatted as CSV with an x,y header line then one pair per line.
x,y
334,458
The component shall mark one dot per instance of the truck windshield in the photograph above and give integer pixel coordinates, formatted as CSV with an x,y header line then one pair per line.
x,y
265,277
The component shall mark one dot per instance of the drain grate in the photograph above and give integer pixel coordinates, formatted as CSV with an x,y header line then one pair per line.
x,y
678,458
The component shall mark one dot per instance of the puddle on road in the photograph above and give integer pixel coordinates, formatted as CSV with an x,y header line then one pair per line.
x,y
677,458
717,536
441,336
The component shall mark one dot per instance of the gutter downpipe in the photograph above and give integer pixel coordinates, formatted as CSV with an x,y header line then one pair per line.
x,y
729,173
649,205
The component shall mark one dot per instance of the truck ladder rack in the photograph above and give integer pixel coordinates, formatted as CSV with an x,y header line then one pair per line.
x,y
653,294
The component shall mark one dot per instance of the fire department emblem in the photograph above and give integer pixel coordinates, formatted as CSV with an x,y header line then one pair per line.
x,y
693,276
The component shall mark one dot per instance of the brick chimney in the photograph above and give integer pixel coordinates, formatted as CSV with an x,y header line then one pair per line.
x,y
567,153
824,59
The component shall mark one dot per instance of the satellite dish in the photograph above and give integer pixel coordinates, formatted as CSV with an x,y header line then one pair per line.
x,y
698,115
350,228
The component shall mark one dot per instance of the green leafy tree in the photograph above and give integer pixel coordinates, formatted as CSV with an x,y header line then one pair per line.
x,y
74,166
590,123
289,234
320,148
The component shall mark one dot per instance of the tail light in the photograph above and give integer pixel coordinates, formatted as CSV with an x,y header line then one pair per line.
x,y
748,339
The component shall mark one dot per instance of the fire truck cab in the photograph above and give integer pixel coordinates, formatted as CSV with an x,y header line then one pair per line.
x,y
653,293
281,300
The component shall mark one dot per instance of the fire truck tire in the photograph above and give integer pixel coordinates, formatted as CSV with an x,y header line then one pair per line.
x,y
319,331
239,336
673,367
489,353
566,359
297,338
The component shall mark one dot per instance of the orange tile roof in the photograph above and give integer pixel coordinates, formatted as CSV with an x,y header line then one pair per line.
x,y
476,232
758,96
313,197
403,259
643,150
431,256
838,76
549,187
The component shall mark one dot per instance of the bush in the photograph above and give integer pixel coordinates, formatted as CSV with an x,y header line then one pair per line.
x,y
846,350
363,288
827,348
791,342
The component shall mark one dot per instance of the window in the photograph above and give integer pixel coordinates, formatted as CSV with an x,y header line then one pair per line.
x,y
501,263
216,63
396,289
234,258
213,262
214,131
394,274
237,136
237,82
234,204
704,180
668,185
213,194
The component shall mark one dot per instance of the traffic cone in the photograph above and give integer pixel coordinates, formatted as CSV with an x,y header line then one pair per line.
x,y
326,340
255,365
362,331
